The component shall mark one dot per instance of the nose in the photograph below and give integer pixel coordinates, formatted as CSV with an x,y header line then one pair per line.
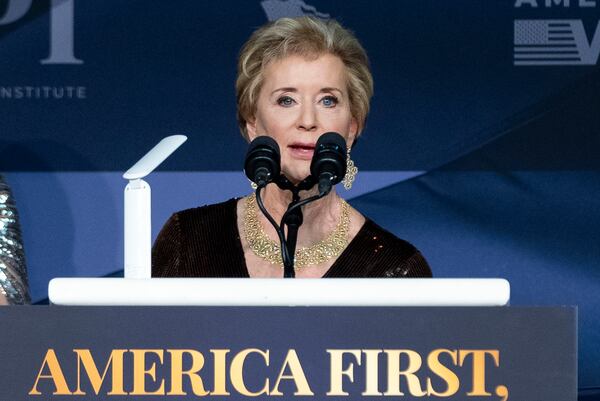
x,y
307,120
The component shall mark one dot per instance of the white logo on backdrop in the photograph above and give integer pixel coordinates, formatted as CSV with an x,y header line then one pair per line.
x,y
61,28
276,9
61,50
554,42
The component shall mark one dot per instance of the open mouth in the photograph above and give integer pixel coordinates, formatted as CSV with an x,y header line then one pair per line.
x,y
302,150
302,147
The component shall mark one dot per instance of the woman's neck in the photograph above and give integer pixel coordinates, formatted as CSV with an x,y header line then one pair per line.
x,y
319,217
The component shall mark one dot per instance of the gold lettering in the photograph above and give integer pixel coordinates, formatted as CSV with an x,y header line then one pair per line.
x,y
297,375
237,372
336,370
436,367
84,356
140,371
177,372
372,375
394,373
479,368
56,375
220,372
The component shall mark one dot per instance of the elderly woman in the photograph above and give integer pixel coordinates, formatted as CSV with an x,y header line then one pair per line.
x,y
297,79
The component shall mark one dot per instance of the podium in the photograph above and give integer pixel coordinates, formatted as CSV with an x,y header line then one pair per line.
x,y
287,353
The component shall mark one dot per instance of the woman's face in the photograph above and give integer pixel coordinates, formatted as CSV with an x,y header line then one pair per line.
x,y
300,100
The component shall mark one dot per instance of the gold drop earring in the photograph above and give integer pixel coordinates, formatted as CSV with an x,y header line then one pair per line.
x,y
351,171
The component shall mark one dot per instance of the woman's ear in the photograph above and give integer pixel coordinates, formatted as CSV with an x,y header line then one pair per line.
x,y
352,133
251,128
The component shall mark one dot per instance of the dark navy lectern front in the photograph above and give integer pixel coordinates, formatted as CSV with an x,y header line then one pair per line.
x,y
286,353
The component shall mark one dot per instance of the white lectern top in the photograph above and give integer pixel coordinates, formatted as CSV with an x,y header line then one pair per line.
x,y
279,292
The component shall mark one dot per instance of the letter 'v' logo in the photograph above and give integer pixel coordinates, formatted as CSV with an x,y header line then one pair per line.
x,y
61,28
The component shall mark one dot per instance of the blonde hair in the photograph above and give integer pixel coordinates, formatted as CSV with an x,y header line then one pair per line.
x,y
308,37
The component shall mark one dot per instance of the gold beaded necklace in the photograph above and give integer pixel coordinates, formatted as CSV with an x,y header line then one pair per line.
x,y
269,250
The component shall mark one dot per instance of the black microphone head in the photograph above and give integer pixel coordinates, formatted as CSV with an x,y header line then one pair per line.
x,y
263,160
329,157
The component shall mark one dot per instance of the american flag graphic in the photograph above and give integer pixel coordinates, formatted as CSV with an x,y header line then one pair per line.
x,y
546,42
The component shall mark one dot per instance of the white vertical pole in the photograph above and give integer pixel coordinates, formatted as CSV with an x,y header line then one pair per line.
x,y
138,223
138,236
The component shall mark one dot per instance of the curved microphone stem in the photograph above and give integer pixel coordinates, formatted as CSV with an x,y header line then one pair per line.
x,y
292,218
288,263
299,204
327,168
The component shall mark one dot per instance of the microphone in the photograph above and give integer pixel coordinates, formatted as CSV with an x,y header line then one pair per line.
x,y
328,165
263,161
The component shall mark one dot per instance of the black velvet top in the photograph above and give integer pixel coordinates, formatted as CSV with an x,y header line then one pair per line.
x,y
205,242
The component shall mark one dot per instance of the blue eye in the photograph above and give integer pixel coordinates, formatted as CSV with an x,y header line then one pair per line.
x,y
329,101
285,101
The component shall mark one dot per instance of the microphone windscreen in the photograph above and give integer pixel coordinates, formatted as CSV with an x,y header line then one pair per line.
x,y
329,156
263,154
264,141
333,139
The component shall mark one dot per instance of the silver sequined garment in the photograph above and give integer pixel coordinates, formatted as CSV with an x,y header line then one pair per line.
x,y
13,273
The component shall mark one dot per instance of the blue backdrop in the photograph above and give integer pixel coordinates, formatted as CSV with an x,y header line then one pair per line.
x,y
482,147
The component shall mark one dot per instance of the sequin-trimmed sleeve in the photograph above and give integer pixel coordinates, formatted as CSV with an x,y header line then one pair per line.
x,y
166,252
415,266
13,272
